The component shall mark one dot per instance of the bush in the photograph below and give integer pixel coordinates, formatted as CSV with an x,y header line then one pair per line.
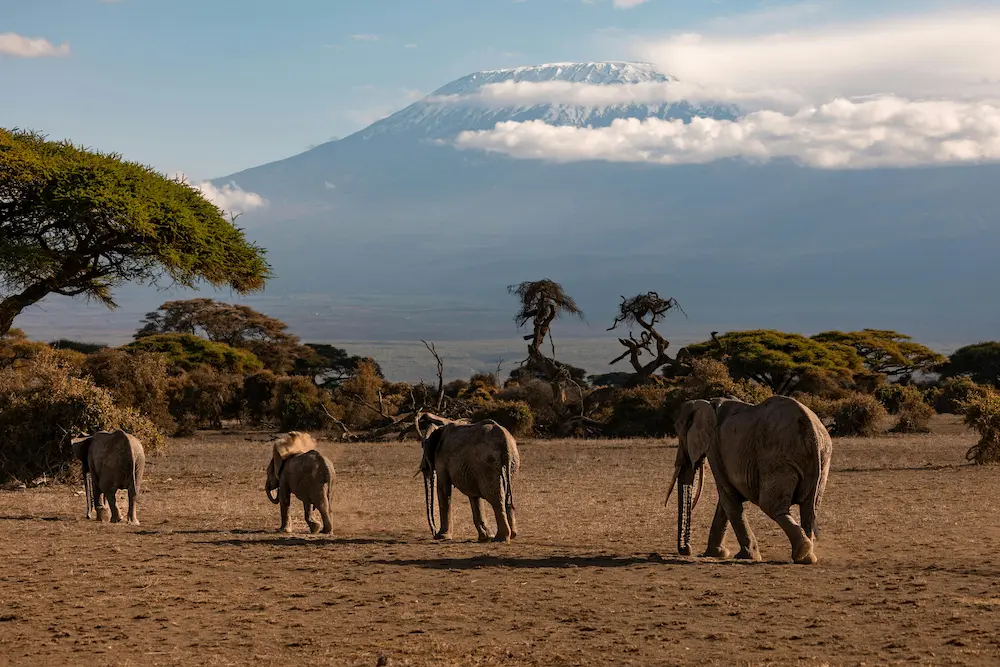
x,y
950,395
891,396
515,416
299,405
258,397
914,413
186,352
136,380
357,392
982,413
203,398
858,415
42,405
644,411
825,408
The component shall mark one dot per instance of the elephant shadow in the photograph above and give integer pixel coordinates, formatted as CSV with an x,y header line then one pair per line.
x,y
546,562
25,517
303,541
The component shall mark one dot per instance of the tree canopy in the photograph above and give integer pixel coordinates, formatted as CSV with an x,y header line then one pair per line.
x,y
233,324
646,311
888,352
187,352
77,222
332,365
979,362
781,361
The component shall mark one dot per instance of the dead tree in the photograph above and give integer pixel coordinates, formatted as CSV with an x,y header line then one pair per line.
x,y
542,301
440,372
646,311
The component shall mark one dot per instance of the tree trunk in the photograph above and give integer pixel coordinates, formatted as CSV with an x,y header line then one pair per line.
x,y
12,306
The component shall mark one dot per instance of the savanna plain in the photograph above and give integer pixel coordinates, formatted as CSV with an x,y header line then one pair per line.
x,y
909,568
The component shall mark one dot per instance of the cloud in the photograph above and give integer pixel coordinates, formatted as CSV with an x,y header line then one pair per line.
x,y
12,44
365,37
530,93
843,134
231,198
627,4
944,54
409,46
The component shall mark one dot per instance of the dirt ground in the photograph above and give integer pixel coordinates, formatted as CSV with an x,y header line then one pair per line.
x,y
909,568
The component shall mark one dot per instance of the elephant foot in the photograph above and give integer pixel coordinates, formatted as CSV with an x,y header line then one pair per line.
x,y
442,536
684,551
116,519
717,552
484,538
103,515
804,554
748,554
327,530
314,527
134,522
284,529
502,538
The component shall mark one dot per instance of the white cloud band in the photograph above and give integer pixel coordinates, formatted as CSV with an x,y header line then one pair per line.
x,y
12,44
842,134
231,198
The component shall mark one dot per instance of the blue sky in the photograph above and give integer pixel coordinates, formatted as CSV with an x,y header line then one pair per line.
x,y
209,87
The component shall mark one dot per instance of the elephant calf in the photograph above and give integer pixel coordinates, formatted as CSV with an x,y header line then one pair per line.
x,y
478,459
111,460
297,467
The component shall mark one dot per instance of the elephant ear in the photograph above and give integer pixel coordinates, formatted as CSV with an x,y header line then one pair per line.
x,y
81,446
432,441
699,428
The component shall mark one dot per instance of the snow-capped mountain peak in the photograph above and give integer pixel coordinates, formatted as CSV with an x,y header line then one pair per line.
x,y
458,106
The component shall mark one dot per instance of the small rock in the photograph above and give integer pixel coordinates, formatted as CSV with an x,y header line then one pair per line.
x,y
382,661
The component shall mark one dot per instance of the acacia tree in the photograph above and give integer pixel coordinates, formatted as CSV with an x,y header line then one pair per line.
x,y
542,301
76,222
979,361
886,352
233,324
781,361
331,365
645,310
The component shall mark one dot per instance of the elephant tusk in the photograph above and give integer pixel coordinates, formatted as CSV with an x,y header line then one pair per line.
x,y
701,485
673,481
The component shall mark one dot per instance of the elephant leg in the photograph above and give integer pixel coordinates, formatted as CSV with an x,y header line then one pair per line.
x,y
284,501
324,511
477,519
511,521
776,504
444,502
717,534
111,494
807,512
102,512
503,528
132,518
744,535
307,511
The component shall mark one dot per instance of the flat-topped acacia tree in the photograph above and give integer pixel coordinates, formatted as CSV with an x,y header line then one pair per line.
x,y
77,222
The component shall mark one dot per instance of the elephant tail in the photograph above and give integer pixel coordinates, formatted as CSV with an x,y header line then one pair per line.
x,y
508,489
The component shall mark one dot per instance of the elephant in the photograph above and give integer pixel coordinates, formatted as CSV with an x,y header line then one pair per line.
x,y
296,466
775,454
479,460
111,460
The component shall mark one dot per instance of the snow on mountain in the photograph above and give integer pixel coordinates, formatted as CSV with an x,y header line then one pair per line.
x,y
446,112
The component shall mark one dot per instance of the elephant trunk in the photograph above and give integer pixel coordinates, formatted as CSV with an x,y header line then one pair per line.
x,y
684,519
88,492
430,481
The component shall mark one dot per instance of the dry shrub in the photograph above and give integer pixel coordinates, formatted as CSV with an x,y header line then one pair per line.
x,y
42,405
515,416
950,396
258,397
914,413
891,396
358,392
858,415
825,408
136,380
203,398
982,413
643,411
299,405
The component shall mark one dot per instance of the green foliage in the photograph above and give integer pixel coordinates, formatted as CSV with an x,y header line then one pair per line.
x,y
891,396
782,361
982,413
43,405
78,222
185,352
616,379
134,379
299,405
914,413
203,398
886,352
357,393
859,415
258,397
646,410
950,395
231,324
515,416
77,346
980,362
825,408
331,365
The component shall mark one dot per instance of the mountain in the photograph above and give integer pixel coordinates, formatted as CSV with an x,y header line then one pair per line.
x,y
394,234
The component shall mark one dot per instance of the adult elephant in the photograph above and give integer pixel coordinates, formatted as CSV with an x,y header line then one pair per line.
x,y
478,459
775,454
111,460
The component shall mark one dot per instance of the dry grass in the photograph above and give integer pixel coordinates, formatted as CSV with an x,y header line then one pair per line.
x,y
907,573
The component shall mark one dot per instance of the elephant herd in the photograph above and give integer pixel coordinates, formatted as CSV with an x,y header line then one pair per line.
x,y
775,454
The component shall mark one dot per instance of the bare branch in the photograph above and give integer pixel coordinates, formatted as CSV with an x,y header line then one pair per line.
x,y
440,372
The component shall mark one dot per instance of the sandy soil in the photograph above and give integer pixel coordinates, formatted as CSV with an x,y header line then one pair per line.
x,y
909,568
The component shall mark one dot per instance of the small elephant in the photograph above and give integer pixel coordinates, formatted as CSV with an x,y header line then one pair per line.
x,y
297,467
775,454
479,460
111,460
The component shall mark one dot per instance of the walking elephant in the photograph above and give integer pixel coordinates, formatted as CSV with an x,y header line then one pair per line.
x,y
775,454
111,460
298,468
478,459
